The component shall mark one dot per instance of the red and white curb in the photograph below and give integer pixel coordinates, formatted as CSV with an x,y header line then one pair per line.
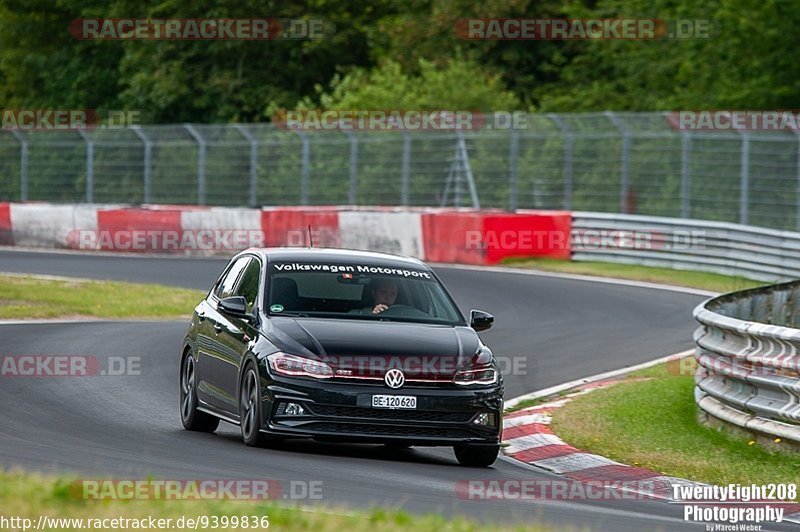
x,y
528,438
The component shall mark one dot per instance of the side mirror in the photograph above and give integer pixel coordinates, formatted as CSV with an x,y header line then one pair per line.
x,y
234,305
480,320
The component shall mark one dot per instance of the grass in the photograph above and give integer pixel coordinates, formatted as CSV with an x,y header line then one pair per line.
x,y
28,297
28,496
713,282
656,413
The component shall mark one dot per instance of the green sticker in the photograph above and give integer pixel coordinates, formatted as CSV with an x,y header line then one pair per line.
x,y
276,308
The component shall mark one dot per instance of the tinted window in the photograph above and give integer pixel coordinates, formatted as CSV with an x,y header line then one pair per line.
x,y
249,282
226,285
359,291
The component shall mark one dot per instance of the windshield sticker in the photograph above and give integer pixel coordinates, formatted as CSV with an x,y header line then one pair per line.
x,y
276,308
358,268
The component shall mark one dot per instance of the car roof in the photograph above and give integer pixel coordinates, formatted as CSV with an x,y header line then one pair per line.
x,y
338,255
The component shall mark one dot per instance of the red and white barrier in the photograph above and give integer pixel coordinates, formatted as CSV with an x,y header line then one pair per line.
x,y
436,235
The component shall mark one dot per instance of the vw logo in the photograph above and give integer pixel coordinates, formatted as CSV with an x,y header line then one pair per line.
x,y
394,378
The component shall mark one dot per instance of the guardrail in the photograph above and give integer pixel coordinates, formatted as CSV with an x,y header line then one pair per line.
x,y
720,247
748,354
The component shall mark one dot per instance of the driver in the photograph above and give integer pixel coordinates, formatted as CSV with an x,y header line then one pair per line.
x,y
384,294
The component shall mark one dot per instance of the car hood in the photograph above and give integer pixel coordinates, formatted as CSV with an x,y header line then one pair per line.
x,y
368,348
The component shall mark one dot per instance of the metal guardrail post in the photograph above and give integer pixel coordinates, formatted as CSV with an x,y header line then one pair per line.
x,y
148,163
201,163
686,154
253,162
351,193
23,164
513,157
744,179
624,178
569,147
740,381
89,166
305,161
406,171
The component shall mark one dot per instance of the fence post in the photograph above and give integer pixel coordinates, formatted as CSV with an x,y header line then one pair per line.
x,y
797,195
569,146
253,162
305,158
201,163
23,164
624,184
406,183
513,157
351,194
744,179
686,155
148,163
89,166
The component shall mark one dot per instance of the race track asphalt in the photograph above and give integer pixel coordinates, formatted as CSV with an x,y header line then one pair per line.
x,y
129,426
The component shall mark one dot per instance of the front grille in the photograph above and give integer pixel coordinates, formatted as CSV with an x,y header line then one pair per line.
x,y
388,430
389,414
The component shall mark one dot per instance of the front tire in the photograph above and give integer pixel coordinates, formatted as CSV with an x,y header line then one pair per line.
x,y
250,409
476,455
191,417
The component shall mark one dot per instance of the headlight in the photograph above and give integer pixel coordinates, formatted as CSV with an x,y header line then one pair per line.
x,y
476,375
296,366
480,372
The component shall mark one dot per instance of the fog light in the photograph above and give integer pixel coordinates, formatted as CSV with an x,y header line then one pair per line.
x,y
484,419
294,409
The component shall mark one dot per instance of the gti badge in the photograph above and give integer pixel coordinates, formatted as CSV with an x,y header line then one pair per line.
x,y
394,378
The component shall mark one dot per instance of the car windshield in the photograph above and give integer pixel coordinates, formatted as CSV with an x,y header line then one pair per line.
x,y
358,291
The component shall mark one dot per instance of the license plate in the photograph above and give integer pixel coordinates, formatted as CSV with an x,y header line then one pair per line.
x,y
408,402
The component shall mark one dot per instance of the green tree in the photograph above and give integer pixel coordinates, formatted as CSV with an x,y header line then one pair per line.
x,y
459,84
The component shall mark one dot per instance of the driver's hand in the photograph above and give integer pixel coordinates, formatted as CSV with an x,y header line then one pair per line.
x,y
380,307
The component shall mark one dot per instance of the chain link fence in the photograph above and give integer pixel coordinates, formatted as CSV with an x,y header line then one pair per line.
x,y
603,162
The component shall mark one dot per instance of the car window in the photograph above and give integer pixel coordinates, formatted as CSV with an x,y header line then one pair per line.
x,y
354,291
226,285
249,283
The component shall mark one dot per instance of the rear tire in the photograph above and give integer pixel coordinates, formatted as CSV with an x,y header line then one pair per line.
x,y
476,455
191,417
250,409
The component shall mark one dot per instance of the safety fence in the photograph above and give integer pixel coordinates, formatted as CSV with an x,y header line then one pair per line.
x,y
631,163
748,353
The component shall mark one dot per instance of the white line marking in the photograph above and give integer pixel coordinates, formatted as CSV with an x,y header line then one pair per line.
x,y
574,462
531,441
578,277
593,378
544,419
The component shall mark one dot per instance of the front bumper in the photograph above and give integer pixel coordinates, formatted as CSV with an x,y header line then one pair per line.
x,y
341,411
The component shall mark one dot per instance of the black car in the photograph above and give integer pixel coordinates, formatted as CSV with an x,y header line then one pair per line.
x,y
345,346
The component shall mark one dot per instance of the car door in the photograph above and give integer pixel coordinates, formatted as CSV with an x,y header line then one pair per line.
x,y
235,334
211,354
